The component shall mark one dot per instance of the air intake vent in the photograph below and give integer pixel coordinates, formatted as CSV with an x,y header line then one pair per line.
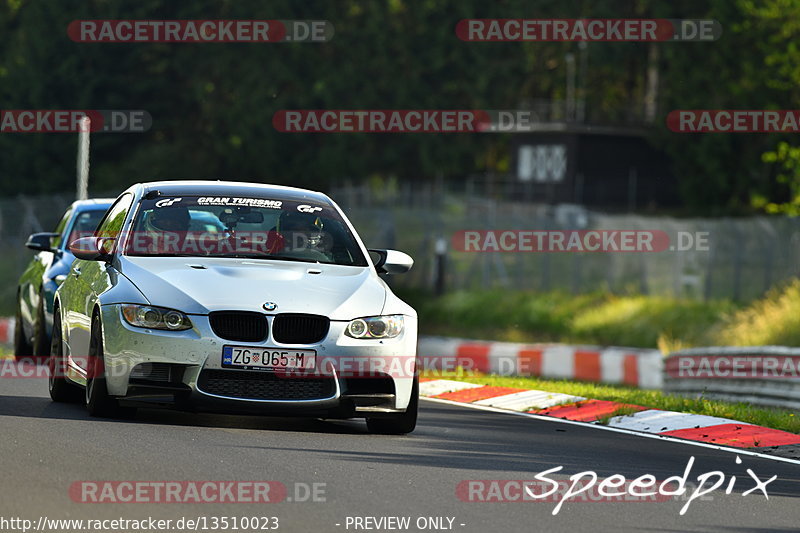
x,y
299,329
239,325
264,386
152,372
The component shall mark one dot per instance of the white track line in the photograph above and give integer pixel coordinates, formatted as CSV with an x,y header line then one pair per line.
x,y
738,451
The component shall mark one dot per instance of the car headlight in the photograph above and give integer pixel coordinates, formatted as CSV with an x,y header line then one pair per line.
x,y
147,316
375,327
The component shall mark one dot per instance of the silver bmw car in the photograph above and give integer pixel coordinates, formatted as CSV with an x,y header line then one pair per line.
x,y
234,297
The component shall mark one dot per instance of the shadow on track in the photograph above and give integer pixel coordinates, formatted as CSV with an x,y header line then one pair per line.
x,y
38,407
458,438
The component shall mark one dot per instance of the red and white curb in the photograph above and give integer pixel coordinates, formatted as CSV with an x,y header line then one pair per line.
x,y
687,426
629,366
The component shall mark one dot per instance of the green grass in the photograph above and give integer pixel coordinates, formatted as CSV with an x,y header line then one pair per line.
x,y
6,352
774,319
591,318
608,319
621,411
782,419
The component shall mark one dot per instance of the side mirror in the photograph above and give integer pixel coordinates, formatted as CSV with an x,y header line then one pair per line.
x,y
41,242
392,262
92,248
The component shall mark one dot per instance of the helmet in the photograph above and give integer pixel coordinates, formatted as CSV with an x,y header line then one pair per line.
x,y
168,219
304,229
290,221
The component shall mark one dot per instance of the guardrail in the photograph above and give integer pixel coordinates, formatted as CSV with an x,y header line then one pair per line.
x,y
630,366
614,365
761,375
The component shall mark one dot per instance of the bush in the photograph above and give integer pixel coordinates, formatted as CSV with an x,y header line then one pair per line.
x,y
648,320
596,318
774,319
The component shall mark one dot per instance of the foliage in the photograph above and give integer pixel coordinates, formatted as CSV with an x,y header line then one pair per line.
x,y
212,104
593,318
772,320
606,319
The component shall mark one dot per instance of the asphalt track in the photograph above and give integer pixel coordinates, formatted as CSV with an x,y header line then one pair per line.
x,y
46,447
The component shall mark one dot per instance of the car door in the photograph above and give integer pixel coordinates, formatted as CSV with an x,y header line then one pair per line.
x,y
91,278
31,281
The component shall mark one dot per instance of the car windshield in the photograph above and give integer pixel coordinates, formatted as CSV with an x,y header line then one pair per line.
x,y
85,224
243,227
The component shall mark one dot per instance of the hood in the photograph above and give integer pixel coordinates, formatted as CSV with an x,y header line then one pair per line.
x,y
199,285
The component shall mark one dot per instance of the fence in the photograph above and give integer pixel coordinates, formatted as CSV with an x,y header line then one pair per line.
x,y
744,256
19,217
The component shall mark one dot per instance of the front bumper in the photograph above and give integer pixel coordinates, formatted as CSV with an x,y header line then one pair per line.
x,y
183,370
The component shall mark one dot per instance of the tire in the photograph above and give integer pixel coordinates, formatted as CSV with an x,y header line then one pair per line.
x,y
98,402
61,390
41,340
22,347
399,424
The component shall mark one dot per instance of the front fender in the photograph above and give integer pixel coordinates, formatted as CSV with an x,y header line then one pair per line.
x,y
121,291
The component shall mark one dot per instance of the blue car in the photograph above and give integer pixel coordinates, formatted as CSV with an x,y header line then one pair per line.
x,y
48,268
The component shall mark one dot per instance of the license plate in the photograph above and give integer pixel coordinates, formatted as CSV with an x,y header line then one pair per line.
x,y
268,358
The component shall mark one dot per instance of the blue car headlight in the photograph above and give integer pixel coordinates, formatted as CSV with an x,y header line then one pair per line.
x,y
375,327
148,316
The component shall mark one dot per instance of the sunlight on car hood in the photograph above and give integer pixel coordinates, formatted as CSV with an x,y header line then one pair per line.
x,y
200,285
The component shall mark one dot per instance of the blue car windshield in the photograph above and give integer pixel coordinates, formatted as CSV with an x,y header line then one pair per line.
x,y
84,224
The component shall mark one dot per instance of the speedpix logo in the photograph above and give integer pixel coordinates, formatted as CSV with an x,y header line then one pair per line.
x,y
305,208
590,487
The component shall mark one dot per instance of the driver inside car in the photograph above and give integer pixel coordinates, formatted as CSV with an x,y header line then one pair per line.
x,y
163,231
301,236
170,219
